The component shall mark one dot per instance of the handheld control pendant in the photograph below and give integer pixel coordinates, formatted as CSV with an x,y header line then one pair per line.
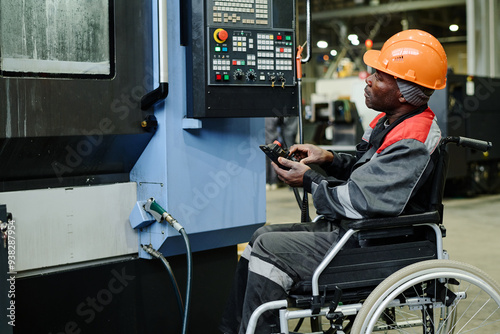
x,y
274,151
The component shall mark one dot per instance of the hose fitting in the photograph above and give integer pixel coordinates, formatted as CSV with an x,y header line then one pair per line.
x,y
161,214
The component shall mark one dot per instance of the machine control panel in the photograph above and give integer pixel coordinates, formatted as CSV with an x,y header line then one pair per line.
x,y
245,49
240,58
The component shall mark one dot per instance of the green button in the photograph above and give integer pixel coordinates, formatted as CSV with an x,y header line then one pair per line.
x,y
217,49
243,62
288,38
226,77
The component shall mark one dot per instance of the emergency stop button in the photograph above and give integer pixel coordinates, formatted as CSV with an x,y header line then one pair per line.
x,y
220,35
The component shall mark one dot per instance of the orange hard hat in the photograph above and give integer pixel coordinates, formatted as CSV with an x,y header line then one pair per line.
x,y
412,55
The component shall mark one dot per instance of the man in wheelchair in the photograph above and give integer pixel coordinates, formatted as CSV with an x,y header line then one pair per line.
x,y
386,177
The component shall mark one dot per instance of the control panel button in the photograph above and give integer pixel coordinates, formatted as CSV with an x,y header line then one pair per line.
x,y
220,35
251,75
238,74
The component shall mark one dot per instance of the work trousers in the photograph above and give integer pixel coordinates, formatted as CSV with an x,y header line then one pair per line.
x,y
276,257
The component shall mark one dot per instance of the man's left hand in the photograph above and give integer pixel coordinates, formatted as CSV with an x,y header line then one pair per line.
x,y
293,177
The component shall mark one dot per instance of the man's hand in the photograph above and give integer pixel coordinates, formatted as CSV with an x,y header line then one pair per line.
x,y
293,177
310,154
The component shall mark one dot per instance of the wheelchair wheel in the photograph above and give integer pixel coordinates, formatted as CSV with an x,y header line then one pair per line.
x,y
436,296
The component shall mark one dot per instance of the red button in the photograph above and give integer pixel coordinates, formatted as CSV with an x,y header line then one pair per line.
x,y
282,50
223,35
218,77
279,37
235,62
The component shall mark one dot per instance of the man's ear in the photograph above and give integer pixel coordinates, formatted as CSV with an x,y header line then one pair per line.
x,y
402,99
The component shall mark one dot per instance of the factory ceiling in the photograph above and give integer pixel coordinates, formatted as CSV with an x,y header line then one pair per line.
x,y
333,21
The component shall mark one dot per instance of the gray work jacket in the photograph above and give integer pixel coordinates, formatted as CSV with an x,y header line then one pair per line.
x,y
385,174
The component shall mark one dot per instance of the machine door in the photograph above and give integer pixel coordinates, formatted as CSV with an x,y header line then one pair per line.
x,y
72,74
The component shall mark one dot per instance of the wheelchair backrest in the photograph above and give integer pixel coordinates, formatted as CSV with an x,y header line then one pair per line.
x,y
438,180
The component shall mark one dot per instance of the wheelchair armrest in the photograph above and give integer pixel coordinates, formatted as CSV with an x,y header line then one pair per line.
x,y
391,222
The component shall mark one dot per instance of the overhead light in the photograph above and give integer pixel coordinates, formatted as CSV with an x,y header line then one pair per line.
x,y
322,44
453,27
333,53
352,37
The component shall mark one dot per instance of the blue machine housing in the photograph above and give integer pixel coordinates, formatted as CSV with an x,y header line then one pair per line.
x,y
209,174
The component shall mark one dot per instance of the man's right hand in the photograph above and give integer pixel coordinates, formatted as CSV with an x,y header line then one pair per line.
x,y
311,154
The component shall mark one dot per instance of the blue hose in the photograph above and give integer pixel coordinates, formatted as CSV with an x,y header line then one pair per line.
x,y
160,215
188,284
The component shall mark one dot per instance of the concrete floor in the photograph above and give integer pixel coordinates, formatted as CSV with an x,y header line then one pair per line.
x,y
473,226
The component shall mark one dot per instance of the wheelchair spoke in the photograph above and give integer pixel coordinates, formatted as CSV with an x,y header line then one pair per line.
x,y
426,298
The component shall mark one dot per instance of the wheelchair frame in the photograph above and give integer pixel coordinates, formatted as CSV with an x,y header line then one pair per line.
x,y
387,294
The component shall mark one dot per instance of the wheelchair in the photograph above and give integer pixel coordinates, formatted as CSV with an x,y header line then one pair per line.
x,y
401,281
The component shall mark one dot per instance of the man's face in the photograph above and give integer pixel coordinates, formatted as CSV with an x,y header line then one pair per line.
x,y
382,92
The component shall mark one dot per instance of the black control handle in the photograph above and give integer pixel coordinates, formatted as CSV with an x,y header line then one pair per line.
x,y
475,144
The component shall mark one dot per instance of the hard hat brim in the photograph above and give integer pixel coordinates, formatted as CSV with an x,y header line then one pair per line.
x,y
371,59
